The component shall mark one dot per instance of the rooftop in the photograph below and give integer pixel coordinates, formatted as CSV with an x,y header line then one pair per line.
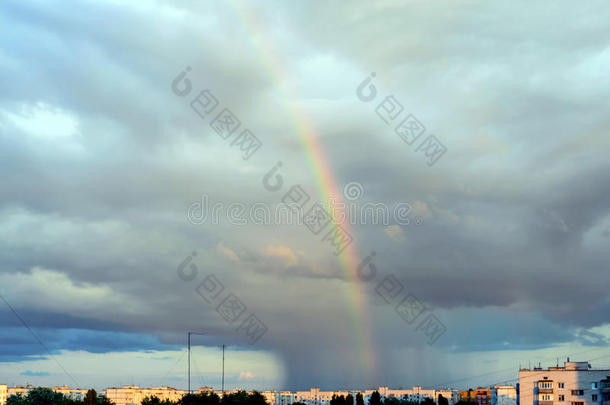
x,y
567,366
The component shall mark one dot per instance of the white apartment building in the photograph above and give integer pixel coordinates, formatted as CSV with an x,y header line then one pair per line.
x,y
503,395
316,397
269,396
20,389
133,395
72,393
416,393
576,383
452,396
284,398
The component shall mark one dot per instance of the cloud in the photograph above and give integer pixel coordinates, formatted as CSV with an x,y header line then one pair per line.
x,y
395,233
283,253
35,373
101,161
245,375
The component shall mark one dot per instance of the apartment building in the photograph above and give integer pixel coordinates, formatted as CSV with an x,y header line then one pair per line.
x,y
20,389
316,397
452,396
283,398
72,393
479,395
605,390
269,396
482,396
417,394
3,394
133,395
503,395
576,383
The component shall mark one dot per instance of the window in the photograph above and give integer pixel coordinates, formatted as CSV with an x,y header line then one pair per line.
x,y
545,384
546,397
594,397
561,385
578,392
561,398
594,386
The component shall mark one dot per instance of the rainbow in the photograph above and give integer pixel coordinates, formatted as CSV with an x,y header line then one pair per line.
x,y
325,181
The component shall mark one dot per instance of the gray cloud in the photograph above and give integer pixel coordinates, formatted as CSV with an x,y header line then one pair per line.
x,y
101,161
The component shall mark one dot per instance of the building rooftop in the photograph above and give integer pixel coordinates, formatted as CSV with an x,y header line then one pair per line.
x,y
568,366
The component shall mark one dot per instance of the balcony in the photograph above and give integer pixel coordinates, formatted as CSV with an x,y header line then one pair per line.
x,y
545,402
545,390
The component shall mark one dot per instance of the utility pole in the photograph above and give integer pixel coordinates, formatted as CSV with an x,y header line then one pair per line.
x,y
188,334
223,370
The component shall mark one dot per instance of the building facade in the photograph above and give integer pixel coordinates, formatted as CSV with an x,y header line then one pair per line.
x,y
133,395
573,384
72,393
480,395
452,396
503,395
3,393
317,397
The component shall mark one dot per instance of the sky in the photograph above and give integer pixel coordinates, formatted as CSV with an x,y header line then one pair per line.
x,y
113,154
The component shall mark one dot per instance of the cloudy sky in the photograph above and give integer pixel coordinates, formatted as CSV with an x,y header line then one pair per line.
x,y
108,171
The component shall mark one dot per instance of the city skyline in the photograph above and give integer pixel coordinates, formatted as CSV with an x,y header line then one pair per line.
x,y
459,384
312,396
575,382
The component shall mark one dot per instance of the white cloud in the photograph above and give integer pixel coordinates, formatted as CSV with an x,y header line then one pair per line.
x,y
245,375
283,253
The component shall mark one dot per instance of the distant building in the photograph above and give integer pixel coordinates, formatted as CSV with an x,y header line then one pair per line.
x,y
20,389
417,394
317,397
284,398
503,395
133,395
72,393
573,384
3,394
452,396
480,395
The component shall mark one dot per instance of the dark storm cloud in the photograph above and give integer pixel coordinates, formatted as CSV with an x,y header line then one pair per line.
x,y
15,348
105,160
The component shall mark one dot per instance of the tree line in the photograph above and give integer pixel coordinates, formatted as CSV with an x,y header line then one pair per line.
x,y
376,399
46,396
210,398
